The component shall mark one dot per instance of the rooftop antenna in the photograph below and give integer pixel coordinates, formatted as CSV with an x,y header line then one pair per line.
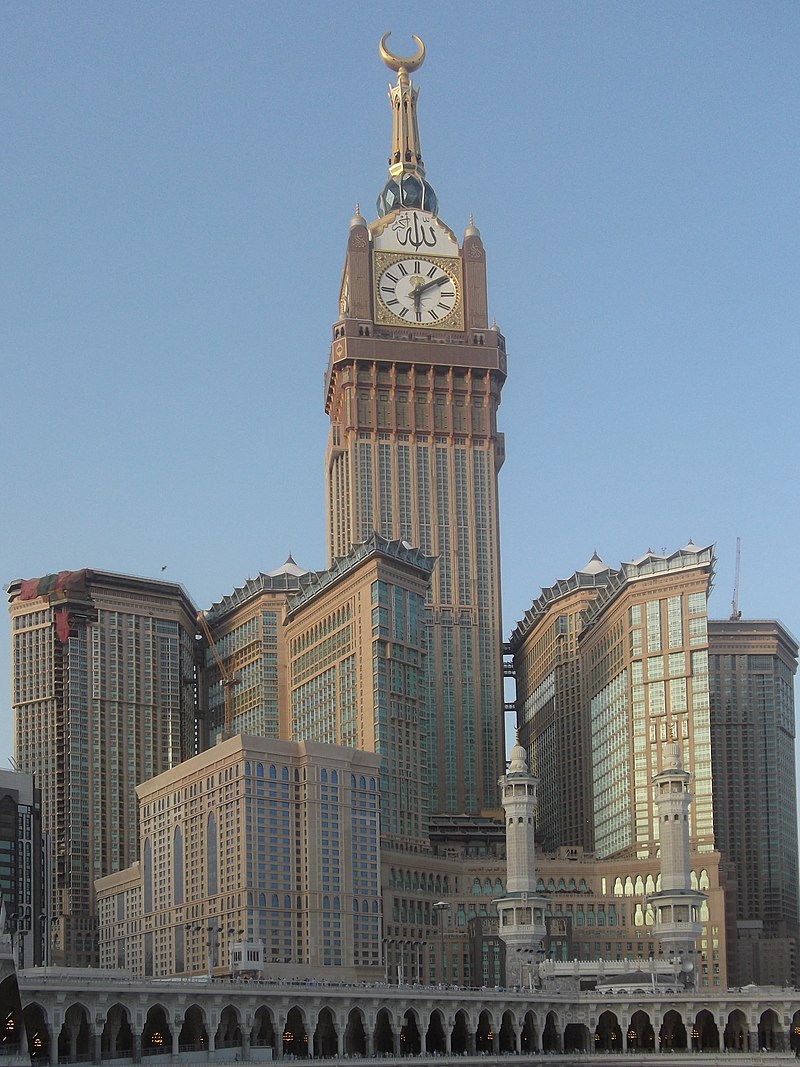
x,y
735,613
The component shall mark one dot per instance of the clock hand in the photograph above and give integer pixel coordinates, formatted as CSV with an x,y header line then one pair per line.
x,y
430,285
416,289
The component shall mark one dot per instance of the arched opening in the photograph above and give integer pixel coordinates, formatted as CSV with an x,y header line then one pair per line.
x,y
770,1035
484,1035
295,1036
794,1036
263,1033
156,1036
39,1036
117,1036
705,1034
435,1040
529,1035
737,1032
355,1035
459,1039
550,1040
74,1039
410,1040
326,1040
229,1032
608,1035
384,1034
193,1036
640,1032
12,1034
672,1034
508,1033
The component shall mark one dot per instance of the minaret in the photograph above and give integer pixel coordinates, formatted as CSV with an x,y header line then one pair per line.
x,y
412,392
521,912
676,904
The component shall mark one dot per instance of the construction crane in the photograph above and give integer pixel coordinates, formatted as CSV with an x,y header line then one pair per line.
x,y
735,613
227,680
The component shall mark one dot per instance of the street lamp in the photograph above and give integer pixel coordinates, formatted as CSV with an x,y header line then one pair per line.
x,y
440,907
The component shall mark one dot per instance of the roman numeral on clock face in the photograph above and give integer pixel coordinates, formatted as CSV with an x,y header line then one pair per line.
x,y
417,290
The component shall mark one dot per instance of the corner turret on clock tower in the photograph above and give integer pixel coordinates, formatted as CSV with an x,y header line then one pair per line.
x,y
412,390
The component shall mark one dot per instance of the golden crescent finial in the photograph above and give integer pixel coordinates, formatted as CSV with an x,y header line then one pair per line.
x,y
398,63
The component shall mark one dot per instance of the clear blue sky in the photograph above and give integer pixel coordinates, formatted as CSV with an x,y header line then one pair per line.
x,y
177,184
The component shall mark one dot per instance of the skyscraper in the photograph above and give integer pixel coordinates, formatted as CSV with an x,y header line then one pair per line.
x,y
644,650
752,664
610,665
550,718
356,639
412,390
103,699
247,628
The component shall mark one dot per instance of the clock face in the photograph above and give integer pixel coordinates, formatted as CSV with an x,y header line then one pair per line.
x,y
413,289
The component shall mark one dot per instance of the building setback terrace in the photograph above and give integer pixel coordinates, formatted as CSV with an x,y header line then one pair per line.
x,y
126,1019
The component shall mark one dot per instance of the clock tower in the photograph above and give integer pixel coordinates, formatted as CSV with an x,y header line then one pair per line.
x,y
412,390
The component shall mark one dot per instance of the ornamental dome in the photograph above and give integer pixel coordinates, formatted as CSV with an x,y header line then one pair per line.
x,y
518,759
409,191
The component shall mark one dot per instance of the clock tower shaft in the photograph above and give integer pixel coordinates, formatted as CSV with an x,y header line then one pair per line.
x,y
414,453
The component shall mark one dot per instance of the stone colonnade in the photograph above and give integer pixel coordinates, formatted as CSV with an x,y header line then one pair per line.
x,y
132,1018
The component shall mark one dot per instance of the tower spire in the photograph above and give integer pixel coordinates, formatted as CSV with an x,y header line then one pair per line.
x,y
406,185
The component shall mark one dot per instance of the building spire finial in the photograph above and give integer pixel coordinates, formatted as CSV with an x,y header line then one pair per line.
x,y
406,185
402,64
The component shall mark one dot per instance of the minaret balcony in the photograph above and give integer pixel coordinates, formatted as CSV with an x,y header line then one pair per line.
x,y
687,931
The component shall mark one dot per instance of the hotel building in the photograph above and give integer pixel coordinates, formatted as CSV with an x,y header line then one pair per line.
x,y
103,699
550,719
257,856
412,390
611,665
358,677
247,629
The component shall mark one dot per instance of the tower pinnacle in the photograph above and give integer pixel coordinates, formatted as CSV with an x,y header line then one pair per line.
x,y
406,185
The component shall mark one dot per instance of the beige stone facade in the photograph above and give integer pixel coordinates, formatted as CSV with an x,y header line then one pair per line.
x,y
358,672
258,857
247,627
